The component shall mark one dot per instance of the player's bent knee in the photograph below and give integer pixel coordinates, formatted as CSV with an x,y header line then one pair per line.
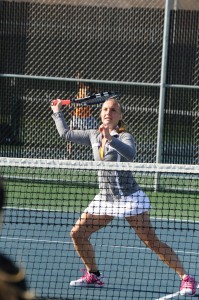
x,y
77,235
74,233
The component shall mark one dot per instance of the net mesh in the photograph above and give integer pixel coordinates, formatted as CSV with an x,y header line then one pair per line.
x,y
46,197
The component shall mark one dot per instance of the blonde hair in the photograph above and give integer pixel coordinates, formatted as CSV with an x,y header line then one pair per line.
x,y
121,127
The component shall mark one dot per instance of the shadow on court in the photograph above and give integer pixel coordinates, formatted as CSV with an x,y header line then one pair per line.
x,y
40,241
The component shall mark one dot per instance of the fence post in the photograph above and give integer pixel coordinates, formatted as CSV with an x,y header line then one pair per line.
x,y
162,86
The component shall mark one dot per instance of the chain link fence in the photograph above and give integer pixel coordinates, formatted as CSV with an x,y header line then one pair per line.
x,y
112,45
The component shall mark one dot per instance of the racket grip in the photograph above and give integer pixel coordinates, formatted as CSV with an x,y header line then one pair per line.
x,y
63,102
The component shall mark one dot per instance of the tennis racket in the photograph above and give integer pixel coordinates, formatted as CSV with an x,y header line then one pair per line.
x,y
89,100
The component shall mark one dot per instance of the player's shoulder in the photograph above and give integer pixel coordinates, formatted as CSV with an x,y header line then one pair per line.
x,y
125,134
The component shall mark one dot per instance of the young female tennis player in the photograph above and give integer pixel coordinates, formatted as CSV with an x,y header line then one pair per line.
x,y
119,196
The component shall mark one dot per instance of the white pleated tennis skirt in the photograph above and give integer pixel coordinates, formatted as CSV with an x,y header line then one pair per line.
x,y
127,206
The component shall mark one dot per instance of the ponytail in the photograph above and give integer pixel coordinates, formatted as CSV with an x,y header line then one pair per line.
x,y
121,126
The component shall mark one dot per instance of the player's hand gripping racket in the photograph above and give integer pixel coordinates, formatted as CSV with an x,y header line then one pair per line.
x,y
89,100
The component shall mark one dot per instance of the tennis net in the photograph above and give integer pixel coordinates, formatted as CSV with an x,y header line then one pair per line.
x,y
44,200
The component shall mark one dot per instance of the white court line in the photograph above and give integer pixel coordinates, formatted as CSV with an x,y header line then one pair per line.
x,y
171,296
64,242
33,240
101,245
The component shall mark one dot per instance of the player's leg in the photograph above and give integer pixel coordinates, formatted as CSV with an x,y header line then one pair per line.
x,y
86,225
80,234
143,228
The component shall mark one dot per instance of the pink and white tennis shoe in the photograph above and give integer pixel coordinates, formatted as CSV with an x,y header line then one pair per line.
x,y
88,280
188,286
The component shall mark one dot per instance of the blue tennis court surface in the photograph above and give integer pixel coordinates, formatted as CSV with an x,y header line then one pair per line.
x,y
41,243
